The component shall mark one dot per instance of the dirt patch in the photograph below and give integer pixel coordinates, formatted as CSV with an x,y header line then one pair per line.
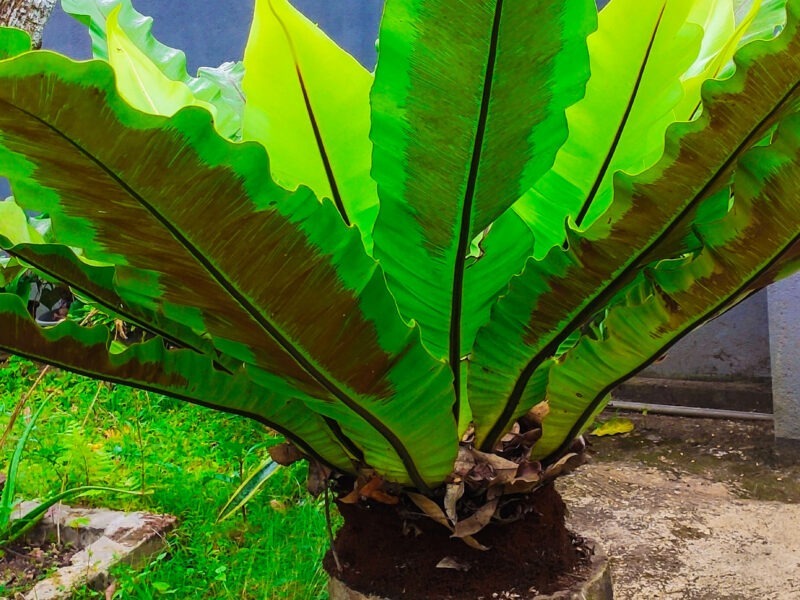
x,y
24,563
383,554
692,509
740,454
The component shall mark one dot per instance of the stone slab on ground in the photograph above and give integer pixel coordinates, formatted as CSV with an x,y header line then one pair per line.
x,y
673,535
105,537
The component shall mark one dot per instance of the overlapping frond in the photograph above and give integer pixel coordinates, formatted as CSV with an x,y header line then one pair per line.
x,y
537,233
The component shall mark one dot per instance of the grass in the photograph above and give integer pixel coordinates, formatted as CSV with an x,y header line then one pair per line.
x,y
190,461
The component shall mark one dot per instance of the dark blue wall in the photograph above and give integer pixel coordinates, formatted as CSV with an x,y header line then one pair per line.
x,y
210,36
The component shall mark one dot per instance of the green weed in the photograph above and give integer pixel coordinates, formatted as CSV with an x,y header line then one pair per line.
x,y
190,460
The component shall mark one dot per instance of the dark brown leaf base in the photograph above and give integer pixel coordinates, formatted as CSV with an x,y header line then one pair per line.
x,y
392,557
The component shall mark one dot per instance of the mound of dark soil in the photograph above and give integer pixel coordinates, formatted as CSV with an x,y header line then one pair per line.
x,y
382,555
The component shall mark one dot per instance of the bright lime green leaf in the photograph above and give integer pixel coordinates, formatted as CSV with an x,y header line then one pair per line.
x,y
769,20
638,56
15,226
720,40
308,104
140,81
219,87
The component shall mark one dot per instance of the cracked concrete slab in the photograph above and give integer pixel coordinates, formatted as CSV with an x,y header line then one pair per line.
x,y
674,535
105,537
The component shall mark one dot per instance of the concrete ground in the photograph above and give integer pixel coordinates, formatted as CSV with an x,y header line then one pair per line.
x,y
692,509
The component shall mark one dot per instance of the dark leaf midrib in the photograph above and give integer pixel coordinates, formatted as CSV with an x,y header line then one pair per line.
x,y
595,403
621,128
456,308
249,308
326,161
608,291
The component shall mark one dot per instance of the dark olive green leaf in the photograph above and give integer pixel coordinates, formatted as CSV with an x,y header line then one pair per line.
x,y
278,282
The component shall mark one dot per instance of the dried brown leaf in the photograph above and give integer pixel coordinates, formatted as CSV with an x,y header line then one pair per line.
x,y
454,493
502,469
318,477
371,489
535,417
566,464
481,518
383,497
430,508
473,543
529,471
448,562
351,498
285,454
520,487
464,462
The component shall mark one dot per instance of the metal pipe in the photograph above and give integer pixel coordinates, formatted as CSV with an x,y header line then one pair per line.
x,y
690,411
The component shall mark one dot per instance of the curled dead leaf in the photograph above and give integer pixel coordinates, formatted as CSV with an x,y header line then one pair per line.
x,y
371,489
529,472
481,518
119,329
448,562
318,477
534,418
566,464
464,462
430,508
511,434
501,470
454,493
520,487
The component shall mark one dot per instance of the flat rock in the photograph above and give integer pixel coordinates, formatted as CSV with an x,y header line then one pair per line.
x,y
105,537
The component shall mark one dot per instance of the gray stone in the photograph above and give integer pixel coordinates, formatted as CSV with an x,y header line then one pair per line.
x,y
106,538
